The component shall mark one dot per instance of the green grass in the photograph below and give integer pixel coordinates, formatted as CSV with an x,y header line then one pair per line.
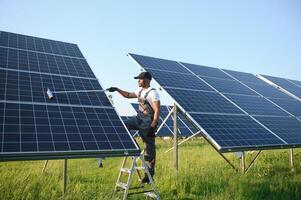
x,y
203,174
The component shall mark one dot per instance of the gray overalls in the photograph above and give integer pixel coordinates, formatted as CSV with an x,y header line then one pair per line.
x,y
142,122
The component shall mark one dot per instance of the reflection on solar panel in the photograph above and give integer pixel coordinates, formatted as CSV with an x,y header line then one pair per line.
x,y
71,125
185,128
231,113
291,86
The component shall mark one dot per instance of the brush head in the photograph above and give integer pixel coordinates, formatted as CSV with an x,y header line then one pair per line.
x,y
49,94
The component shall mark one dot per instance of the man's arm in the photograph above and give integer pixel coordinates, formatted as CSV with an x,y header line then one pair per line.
x,y
156,107
125,94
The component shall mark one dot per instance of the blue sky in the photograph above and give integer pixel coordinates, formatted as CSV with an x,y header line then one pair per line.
x,y
261,37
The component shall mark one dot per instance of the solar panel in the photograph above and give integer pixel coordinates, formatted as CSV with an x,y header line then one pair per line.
x,y
236,131
288,128
291,86
258,85
185,128
297,83
226,115
171,79
29,86
202,101
228,86
72,125
34,61
291,105
159,64
256,105
244,77
29,43
204,71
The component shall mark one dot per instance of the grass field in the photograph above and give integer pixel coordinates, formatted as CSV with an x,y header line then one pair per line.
x,y
203,174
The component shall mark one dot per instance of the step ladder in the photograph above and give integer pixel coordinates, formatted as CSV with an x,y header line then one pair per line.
x,y
150,189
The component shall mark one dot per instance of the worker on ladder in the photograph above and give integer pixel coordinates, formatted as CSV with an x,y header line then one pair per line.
x,y
147,117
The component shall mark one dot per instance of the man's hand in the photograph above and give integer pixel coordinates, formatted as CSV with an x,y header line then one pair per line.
x,y
150,132
112,89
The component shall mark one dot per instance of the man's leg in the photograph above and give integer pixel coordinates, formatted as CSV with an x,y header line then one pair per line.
x,y
149,152
131,123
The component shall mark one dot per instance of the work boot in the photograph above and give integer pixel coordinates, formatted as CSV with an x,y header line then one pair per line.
x,y
145,179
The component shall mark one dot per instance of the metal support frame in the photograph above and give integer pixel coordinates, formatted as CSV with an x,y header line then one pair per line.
x,y
291,157
175,143
188,138
164,121
243,166
243,162
45,165
65,177
252,162
64,174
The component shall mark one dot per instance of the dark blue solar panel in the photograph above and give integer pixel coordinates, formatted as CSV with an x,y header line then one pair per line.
x,y
185,128
49,128
226,125
297,83
288,128
199,101
232,132
77,124
229,86
285,84
205,71
244,77
291,105
32,87
38,44
44,63
159,64
268,90
177,80
255,105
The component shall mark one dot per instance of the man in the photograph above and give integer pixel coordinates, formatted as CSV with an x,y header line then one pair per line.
x,y
147,117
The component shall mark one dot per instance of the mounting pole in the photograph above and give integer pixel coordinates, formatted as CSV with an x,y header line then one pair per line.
x,y
290,157
45,165
65,176
243,162
175,141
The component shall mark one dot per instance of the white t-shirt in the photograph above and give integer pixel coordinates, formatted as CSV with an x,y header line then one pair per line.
x,y
152,96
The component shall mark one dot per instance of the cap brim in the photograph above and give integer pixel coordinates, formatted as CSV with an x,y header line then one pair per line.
x,y
136,77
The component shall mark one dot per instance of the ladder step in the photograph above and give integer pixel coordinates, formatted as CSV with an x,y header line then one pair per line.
x,y
122,185
141,192
151,194
126,170
140,168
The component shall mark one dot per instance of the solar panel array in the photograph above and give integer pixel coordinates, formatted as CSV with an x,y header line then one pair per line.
x,y
235,110
185,128
78,124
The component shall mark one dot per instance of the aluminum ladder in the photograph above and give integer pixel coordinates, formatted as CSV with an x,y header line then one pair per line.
x,y
148,189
